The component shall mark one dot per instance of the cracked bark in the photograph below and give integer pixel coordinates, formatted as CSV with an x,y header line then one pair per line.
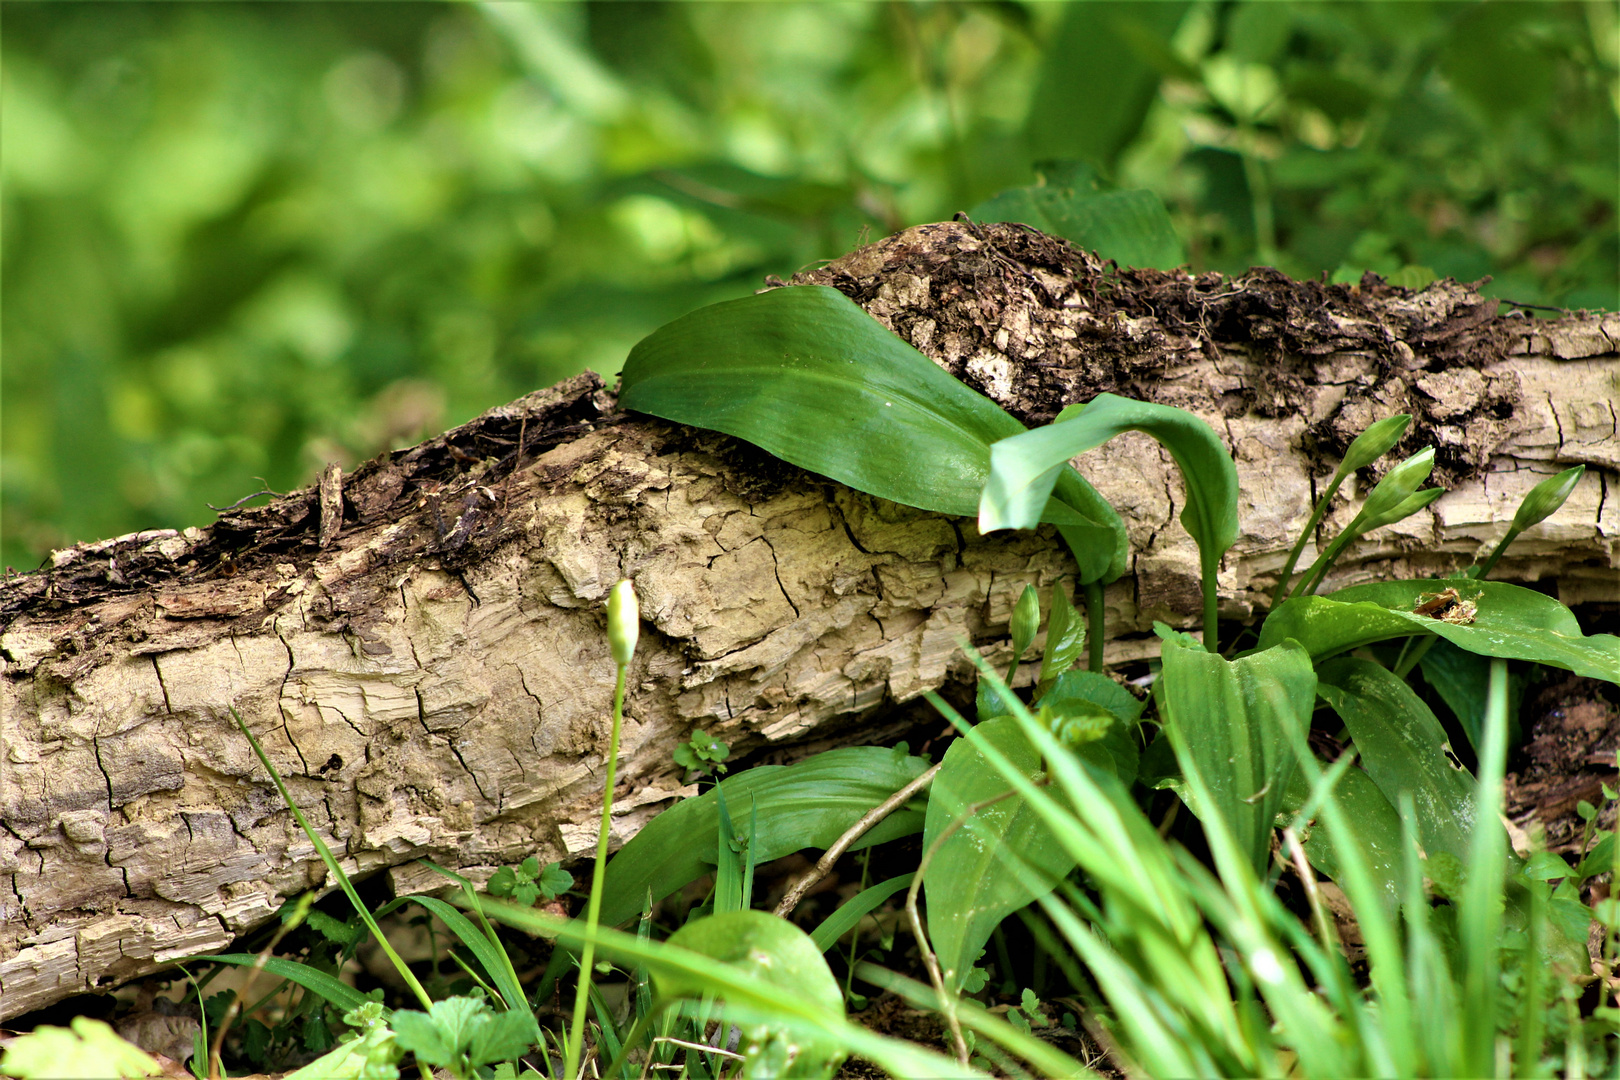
x,y
440,646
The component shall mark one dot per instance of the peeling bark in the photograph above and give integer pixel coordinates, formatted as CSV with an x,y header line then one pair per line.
x,y
420,645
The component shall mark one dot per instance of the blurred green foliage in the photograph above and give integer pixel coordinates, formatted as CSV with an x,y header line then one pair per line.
x,y
241,240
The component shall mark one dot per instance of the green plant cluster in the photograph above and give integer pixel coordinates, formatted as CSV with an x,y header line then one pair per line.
x,y
243,240
1178,950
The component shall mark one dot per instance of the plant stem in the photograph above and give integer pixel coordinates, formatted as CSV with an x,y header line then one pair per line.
x,y
1212,603
1479,572
576,1038
1282,592
1095,617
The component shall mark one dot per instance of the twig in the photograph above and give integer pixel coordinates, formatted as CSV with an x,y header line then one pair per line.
x,y
947,1000
825,864
264,491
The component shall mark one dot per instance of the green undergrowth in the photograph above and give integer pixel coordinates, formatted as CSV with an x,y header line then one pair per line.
x,y
1156,880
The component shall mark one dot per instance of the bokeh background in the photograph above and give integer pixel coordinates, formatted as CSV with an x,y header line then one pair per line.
x,y
244,239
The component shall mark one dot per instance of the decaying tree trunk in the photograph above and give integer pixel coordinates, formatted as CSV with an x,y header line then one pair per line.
x,y
419,645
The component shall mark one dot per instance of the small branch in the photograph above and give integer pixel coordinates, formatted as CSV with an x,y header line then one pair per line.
x,y
825,864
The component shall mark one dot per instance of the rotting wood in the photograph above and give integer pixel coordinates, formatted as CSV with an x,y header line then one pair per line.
x,y
420,645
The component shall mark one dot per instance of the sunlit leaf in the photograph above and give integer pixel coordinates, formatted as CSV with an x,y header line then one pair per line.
x,y
1237,722
806,374
1509,621
806,805
968,890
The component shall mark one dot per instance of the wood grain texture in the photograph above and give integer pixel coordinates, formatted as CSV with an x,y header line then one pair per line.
x,y
430,673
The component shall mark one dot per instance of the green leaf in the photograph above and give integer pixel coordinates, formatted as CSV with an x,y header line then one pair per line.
x,y
769,951
745,994
1021,468
1510,622
488,953
1100,76
1065,636
554,881
338,994
86,1048
850,913
1130,227
1116,751
1546,866
1460,678
1377,829
1403,748
759,946
1025,622
1598,860
1235,722
804,373
809,804
462,1033
968,889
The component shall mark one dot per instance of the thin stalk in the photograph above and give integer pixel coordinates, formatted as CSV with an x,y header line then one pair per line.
x,y
1095,618
1479,572
1282,592
576,1038
336,871
1212,603
1409,657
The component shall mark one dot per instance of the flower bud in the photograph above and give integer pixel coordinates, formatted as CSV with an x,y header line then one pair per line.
x,y
1407,507
1374,443
1395,488
624,622
1026,619
1546,497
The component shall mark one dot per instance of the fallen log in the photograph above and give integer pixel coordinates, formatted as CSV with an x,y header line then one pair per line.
x,y
419,645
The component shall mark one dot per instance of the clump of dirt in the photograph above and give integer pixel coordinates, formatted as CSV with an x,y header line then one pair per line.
x,y
1572,726
1036,324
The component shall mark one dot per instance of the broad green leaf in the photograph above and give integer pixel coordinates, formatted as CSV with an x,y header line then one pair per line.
x,y
760,946
804,373
779,956
745,995
1460,678
1235,721
968,889
1117,751
1065,636
1509,622
850,913
807,805
1403,748
1018,487
338,994
1100,76
1374,822
1130,227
